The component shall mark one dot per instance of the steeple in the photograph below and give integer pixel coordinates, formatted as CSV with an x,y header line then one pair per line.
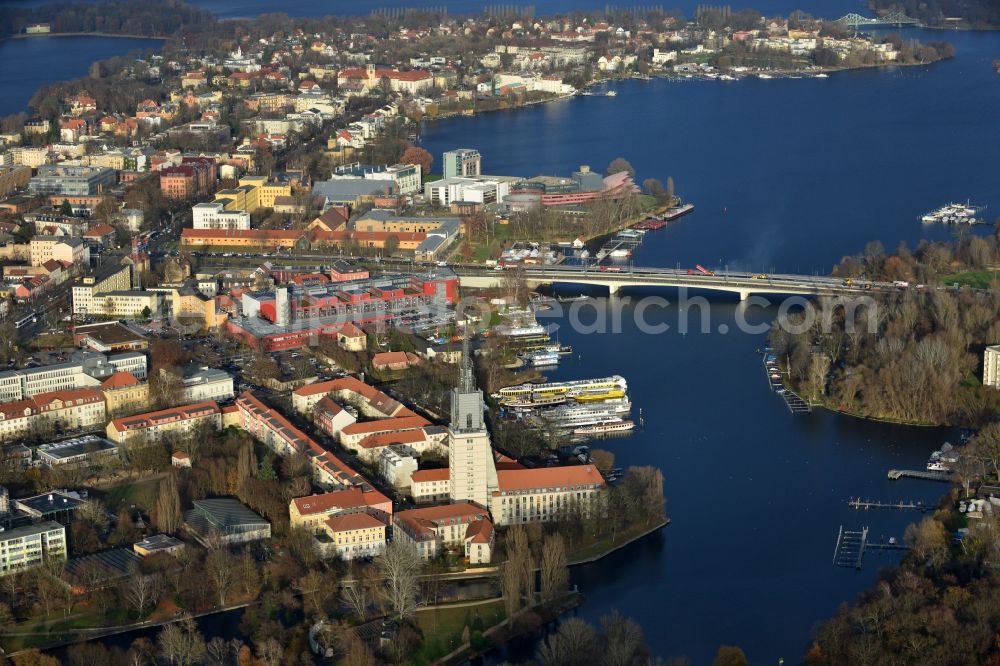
x,y
467,379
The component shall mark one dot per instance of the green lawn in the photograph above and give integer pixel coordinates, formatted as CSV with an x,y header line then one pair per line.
x,y
443,627
141,493
974,279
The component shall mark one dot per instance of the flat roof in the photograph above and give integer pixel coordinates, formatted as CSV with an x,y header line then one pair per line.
x,y
77,446
47,503
30,530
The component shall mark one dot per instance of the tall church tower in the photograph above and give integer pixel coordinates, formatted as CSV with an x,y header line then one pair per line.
x,y
472,472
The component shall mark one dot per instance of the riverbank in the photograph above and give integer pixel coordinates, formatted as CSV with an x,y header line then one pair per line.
x,y
109,35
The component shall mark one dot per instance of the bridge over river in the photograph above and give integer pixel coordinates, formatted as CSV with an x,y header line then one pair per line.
x,y
620,277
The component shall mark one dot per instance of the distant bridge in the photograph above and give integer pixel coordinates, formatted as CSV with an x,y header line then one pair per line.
x,y
616,278
895,18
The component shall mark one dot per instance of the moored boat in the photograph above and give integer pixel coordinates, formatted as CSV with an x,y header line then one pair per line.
x,y
605,427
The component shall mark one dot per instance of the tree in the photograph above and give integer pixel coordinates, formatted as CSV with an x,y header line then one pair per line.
x,y
142,591
220,568
929,541
399,566
623,640
555,574
729,655
618,165
573,644
391,244
419,156
34,657
66,208
167,512
181,643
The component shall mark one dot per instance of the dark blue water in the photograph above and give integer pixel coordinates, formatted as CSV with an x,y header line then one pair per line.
x,y
28,64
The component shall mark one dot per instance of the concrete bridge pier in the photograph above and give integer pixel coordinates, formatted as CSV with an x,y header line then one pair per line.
x,y
612,289
744,294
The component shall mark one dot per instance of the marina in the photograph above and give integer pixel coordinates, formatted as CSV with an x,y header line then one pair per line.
x,y
852,545
772,370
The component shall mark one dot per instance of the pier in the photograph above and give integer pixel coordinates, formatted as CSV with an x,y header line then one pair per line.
x,y
852,544
896,474
900,506
795,404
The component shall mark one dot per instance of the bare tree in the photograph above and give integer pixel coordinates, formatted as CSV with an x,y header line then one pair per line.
x,y
181,643
142,591
219,567
355,595
399,566
555,574
270,653
573,644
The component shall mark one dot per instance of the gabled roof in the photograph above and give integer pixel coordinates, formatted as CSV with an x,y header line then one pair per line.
x,y
347,522
120,379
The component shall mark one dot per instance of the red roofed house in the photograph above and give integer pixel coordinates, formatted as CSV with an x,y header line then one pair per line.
x,y
463,526
430,485
396,360
410,82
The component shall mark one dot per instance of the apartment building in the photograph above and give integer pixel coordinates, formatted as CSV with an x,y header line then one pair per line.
x,y
310,512
991,366
213,215
127,304
90,289
74,409
352,535
30,546
61,248
174,421
464,162
124,394
463,525
200,383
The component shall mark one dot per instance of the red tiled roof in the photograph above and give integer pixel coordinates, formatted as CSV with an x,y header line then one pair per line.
x,y
389,438
543,478
150,419
428,475
120,379
351,498
347,522
395,424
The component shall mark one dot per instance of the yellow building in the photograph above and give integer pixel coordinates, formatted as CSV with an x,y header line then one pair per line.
x,y
353,535
244,198
266,192
124,394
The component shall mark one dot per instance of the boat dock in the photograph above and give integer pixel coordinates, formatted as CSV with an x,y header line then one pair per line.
x,y
852,544
901,506
618,248
896,474
795,404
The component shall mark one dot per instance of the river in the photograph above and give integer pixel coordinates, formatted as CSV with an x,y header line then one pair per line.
x,y
787,175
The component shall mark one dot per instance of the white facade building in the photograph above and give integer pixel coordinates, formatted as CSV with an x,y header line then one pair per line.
x,y
991,366
29,546
213,215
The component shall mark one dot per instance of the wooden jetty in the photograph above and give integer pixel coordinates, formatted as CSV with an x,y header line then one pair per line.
x,y
896,474
858,504
852,544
